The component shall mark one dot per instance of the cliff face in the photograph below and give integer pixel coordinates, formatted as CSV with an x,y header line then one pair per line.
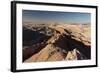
x,y
56,43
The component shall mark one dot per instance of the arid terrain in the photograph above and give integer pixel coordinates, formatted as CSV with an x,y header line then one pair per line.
x,y
56,42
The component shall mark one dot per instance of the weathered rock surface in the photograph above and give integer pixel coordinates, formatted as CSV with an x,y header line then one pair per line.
x,y
57,43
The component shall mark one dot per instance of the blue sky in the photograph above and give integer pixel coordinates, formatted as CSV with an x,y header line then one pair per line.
x,y
51,16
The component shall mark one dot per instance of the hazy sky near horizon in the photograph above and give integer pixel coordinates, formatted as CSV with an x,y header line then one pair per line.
x,y
52,16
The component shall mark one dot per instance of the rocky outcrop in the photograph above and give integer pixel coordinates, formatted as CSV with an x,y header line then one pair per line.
x,y
62,42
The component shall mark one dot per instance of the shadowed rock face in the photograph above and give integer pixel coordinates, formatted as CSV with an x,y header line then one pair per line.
x,y
49,43
33,41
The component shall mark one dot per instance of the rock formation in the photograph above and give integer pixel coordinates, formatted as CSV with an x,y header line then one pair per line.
x,y
56,43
